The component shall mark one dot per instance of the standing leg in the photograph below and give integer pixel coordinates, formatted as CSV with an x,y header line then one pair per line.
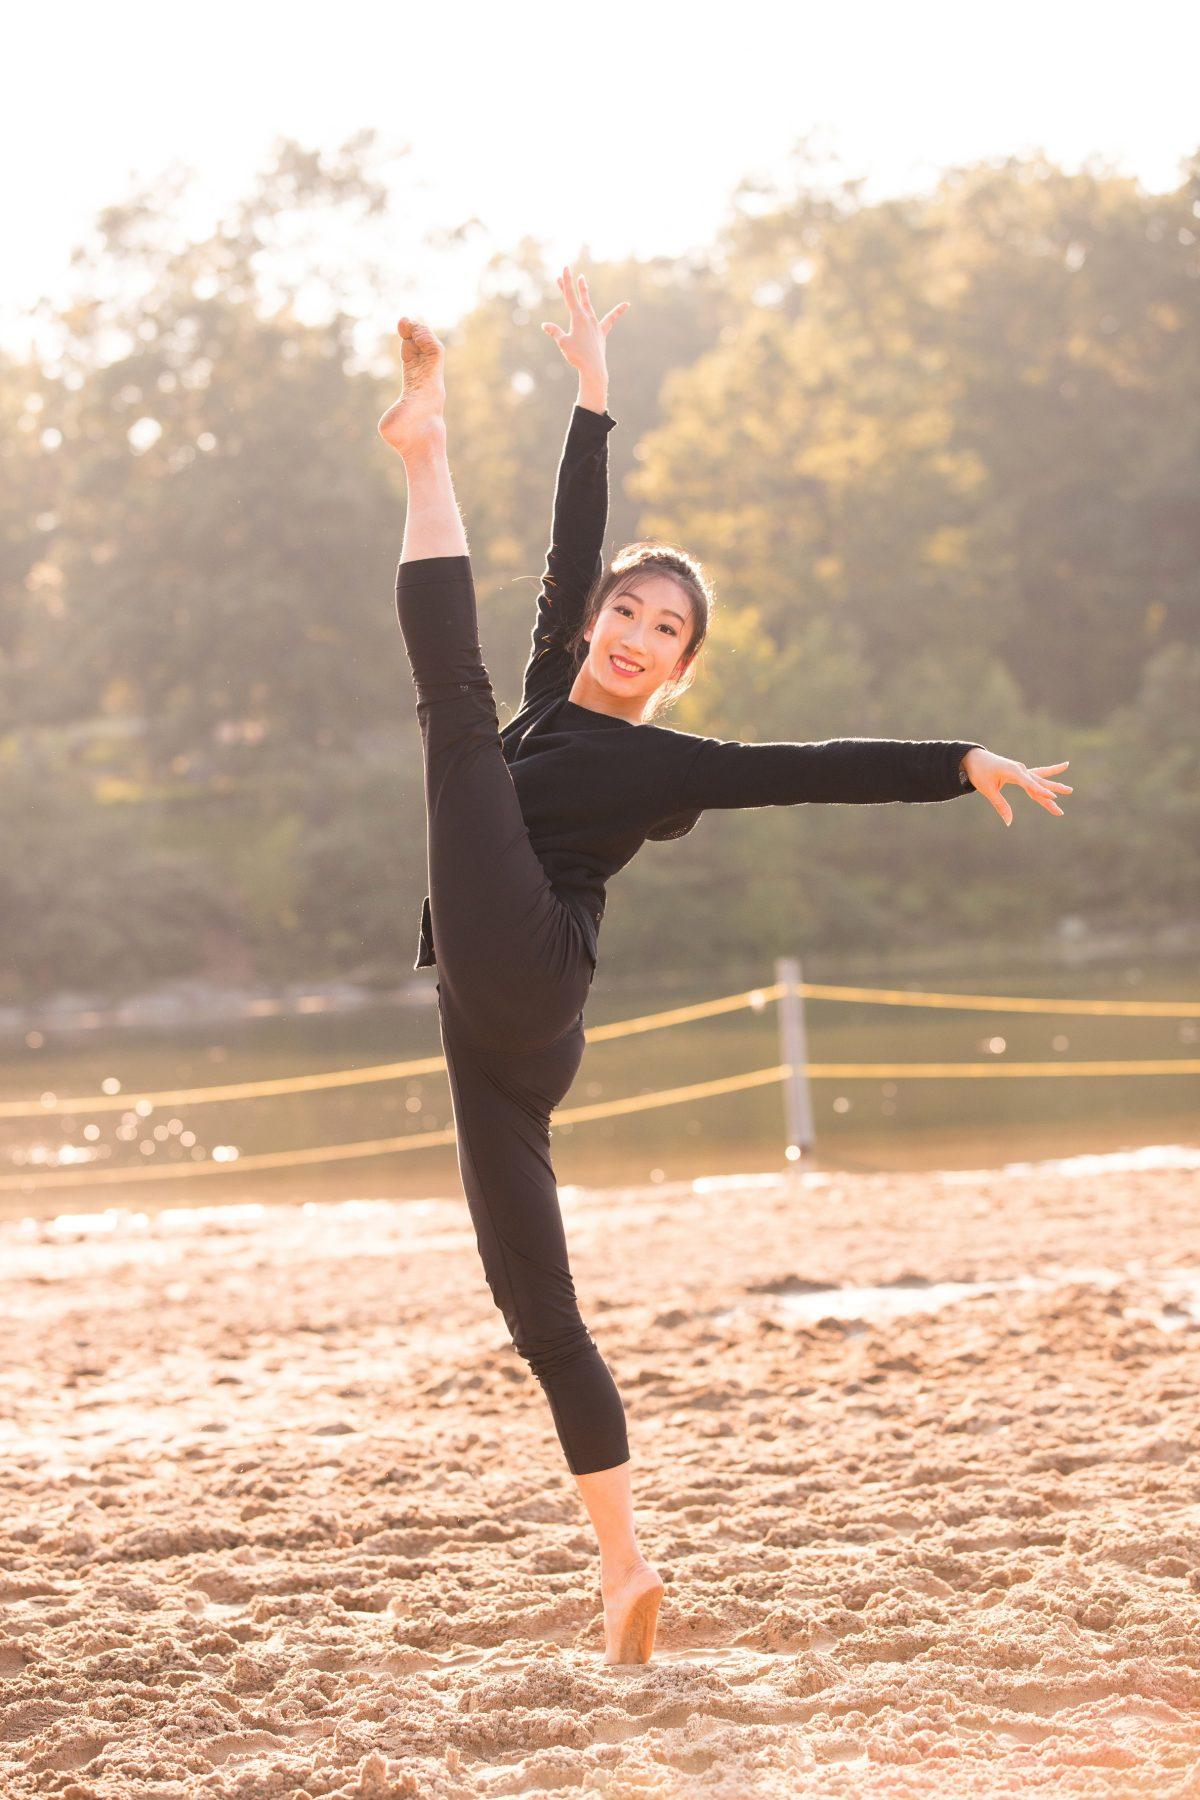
x,y
502,1104
631,1588
502,1122
502,1107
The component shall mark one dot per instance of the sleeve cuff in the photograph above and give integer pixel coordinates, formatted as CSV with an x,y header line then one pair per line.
x,y
583,418
965,784
431,568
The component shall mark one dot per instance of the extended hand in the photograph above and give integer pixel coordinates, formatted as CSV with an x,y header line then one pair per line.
x,y
583,345
990,773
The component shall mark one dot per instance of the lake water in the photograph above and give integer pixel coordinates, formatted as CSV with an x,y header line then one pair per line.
x,y
860,1123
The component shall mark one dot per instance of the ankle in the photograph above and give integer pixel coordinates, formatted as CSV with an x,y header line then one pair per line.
x,y
616,1570
425,444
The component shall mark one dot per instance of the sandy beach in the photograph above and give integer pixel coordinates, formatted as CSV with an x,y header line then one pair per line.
x,y
918,1457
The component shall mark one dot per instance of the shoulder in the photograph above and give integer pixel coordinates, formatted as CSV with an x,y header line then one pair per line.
x,y
672,742
676,750
669,756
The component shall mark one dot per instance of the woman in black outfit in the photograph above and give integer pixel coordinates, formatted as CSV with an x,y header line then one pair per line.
x,y
526,825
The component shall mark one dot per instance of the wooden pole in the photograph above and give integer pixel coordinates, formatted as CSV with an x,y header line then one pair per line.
x,y
793,1049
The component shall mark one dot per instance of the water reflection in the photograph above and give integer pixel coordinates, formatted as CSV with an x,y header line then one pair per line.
x,y
860,1124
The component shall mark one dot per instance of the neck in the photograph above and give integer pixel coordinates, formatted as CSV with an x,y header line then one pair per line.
x,y
586,691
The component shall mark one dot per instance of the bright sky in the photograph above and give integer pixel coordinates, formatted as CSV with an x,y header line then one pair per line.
x,y
622,126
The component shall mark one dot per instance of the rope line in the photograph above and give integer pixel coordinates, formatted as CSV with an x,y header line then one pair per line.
x,y
603,1109
414,1140
1125,1009
682,1015
232,1090
598,1034
335,1078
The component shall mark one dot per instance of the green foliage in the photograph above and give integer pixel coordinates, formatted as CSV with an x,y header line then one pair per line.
x,y
87,897
958,421
226,511
361,862
1139,854
939,456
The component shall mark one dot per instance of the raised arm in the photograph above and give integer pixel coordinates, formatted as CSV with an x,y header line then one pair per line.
x,y
580,518
576,552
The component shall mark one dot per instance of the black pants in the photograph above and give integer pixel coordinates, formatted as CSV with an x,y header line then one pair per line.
x,y
514,975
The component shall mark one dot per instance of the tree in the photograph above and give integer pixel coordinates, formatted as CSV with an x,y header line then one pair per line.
x,y
967,420
229,526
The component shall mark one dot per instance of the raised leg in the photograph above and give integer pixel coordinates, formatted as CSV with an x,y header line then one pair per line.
x,y
415,427
508,951
510,954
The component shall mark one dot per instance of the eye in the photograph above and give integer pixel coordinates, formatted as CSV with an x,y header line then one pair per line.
x,y
628,610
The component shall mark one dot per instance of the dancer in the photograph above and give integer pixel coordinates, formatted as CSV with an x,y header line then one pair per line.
x,y
525,827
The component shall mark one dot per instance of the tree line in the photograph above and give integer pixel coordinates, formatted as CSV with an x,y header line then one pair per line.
x,y
938,455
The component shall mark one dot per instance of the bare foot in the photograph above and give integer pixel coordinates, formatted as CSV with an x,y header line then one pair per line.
x,y
416,418
631,1613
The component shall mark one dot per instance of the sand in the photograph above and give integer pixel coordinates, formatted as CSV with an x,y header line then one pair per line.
x,y
284,1514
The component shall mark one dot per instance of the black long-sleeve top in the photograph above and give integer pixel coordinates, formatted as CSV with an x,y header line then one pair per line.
x,y
593,787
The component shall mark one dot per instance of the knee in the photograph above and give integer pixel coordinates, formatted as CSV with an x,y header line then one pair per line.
x,y
434,685
547,1357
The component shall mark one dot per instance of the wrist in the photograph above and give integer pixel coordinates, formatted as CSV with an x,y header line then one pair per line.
x,y
593,393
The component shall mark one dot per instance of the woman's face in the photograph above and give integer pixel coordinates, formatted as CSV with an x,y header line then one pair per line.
x,y
639,637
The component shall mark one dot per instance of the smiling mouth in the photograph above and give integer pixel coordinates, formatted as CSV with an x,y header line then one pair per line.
x,y
623,667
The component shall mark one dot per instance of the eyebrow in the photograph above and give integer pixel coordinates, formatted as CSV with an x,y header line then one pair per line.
x,y
626,594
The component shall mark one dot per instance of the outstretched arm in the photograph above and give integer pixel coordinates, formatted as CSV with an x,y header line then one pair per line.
x,y
575,555
855,771
840,771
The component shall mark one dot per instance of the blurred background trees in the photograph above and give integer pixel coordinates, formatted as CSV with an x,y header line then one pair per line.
x,y
939,455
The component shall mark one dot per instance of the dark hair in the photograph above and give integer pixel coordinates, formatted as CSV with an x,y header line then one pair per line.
x,y
649,557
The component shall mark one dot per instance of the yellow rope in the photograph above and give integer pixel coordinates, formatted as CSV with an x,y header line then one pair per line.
x,y
416,1140
682,1015
1169,1065
1127,1009
271,1159
233,1090
335,1078
602,1109
700,1090
597,1034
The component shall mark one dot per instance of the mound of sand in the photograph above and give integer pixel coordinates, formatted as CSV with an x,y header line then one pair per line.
x,y
917,1456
